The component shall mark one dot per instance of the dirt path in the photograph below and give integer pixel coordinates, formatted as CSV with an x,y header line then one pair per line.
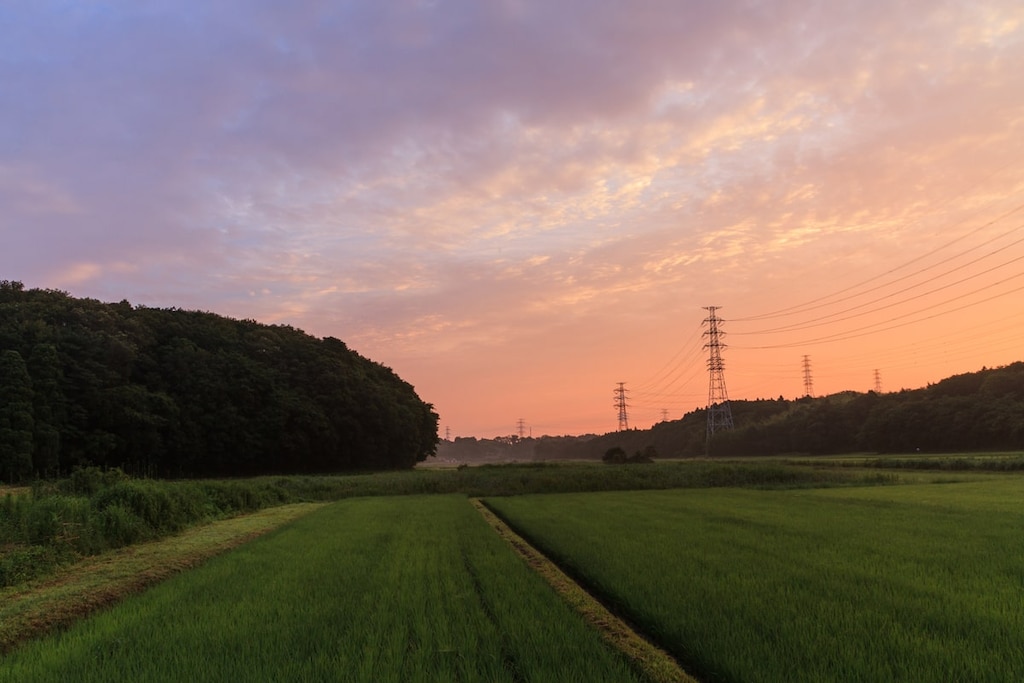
x,y
658,665
41,606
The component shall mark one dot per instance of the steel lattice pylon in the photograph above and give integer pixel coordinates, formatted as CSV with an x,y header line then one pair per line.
x,y
621,405
719,413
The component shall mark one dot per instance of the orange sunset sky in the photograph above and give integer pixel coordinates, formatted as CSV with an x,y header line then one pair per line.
x,y
517,205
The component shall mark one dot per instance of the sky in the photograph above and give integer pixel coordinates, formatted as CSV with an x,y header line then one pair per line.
x,y
518,204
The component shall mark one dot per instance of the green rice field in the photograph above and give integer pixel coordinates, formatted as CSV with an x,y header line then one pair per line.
x,y
415,588
747,574
921,582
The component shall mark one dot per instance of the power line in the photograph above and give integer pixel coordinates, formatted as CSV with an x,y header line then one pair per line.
x,y
692,345
815,322
904,295
809,305
866,330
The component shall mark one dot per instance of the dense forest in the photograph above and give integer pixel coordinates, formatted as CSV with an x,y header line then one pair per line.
x,y
175,393
978,411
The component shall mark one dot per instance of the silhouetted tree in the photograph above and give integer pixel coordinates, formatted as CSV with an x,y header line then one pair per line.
x,y
170,392
16,422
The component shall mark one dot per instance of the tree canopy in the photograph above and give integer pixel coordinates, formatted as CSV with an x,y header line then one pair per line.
x,y
176,393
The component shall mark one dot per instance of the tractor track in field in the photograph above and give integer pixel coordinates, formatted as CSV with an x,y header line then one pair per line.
x,y
654,662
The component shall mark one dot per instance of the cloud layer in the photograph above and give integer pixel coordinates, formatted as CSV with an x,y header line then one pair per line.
x,y
517,204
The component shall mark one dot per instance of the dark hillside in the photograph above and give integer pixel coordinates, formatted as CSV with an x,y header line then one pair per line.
x,y
169,392
978,411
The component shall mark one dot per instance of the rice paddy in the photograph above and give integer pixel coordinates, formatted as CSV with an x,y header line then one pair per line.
x,y
898,583
779,581
385,589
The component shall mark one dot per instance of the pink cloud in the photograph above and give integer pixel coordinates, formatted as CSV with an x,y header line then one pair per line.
x,y
497,197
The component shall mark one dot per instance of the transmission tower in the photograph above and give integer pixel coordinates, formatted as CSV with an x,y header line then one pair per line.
x,y
621,405
664,414
808,384
719,413
521,427
878,382
447,433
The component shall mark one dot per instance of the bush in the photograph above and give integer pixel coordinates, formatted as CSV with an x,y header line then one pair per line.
x,y
121,527
87,481
234,497
160,507
54,519
96,510
617,456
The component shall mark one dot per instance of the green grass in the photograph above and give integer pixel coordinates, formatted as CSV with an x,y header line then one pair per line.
x,y
898,583
566,477
997,461
38,607
375,589
57,523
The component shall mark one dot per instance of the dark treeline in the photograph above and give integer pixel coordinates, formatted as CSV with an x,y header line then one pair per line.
x,y
673,439
174,393
979,411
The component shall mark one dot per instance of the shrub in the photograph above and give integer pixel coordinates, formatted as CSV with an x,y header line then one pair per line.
x,y
87,481
121,527
161,507
615,456
54,519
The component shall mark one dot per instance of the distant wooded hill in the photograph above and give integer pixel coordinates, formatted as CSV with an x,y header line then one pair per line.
x,y
978,411
168,392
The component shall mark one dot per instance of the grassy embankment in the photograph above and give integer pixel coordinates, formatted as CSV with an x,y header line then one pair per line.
x,y
373,589
57,523
75,591
917,582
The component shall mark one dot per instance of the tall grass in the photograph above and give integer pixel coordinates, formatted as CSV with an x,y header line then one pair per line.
x,y
372,589
95,511
909,583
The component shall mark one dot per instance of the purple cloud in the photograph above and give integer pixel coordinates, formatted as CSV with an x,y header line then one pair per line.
x,y
443,177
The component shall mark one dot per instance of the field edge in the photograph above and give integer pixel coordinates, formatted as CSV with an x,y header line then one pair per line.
x,y
46,605
652,661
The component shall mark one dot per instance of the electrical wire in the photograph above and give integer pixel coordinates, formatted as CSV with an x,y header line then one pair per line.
x,y
816,322
807,306
860,332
